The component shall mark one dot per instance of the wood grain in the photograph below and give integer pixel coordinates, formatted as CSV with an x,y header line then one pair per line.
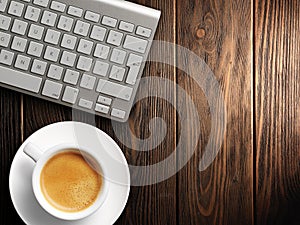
x,y
10,140
151,204
255,178
277,114
220,33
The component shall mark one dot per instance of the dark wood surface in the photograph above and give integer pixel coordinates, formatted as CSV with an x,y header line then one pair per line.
x,y
253,49
277,114
219,32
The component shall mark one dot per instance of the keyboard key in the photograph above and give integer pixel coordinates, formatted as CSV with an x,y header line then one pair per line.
x,y
142,31
36,32
102,108
43,3
108,21
65,23
74,11
82,28
87,81
16,8
118,56
71,77
22,62
52,89
70,95
101,51
134,63
98,33
58,6
115,38
118,113
4,39
3,4
85,47
135,44
68,59
55,72
52,37
101,68
32,13
49,18
114,89
19,44
51,54
91,16
35,49
68,41
117,73
19,27
38,67
57,43
19,79
126,26
104,100
4,22
85,103
6,58
84,63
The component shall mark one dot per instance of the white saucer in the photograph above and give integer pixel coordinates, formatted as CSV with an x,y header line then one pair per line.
x,y
70,132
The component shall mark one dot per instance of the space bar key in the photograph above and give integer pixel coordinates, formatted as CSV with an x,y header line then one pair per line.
x,y
20,80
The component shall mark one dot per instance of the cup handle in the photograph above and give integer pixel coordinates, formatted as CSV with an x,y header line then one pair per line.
x,y
33,151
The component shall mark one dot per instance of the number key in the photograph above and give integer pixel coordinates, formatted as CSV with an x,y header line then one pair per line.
x,y
65,23
3,4
16,8
49,18
81,28
32,13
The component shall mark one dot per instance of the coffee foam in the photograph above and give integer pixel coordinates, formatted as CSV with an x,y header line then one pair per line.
x,y
69,183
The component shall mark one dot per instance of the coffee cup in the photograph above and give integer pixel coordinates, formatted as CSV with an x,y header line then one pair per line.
x,y
68,181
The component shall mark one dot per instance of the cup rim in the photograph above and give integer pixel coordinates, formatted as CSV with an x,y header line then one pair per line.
x,y
48,154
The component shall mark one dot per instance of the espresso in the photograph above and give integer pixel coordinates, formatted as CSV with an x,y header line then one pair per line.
x,y
69,182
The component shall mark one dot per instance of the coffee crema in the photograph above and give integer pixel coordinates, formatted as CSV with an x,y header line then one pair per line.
x,y
69,183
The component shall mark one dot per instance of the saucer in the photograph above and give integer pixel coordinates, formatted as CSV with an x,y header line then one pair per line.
x,y
20,179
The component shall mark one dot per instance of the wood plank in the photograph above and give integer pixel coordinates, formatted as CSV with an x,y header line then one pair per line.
x,y
220,33
153,204
10,141
277,49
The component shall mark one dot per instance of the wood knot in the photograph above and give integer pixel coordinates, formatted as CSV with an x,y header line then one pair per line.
x,y
200,33
235,179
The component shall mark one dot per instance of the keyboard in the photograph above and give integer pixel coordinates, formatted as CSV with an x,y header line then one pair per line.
x,y
85,54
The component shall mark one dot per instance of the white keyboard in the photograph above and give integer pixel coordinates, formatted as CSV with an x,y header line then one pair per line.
x,y
86,54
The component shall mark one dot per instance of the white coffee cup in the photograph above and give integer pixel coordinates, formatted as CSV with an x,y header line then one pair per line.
x,y
41,158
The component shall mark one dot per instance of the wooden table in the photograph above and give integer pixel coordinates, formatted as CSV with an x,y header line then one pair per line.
x,y
253,48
